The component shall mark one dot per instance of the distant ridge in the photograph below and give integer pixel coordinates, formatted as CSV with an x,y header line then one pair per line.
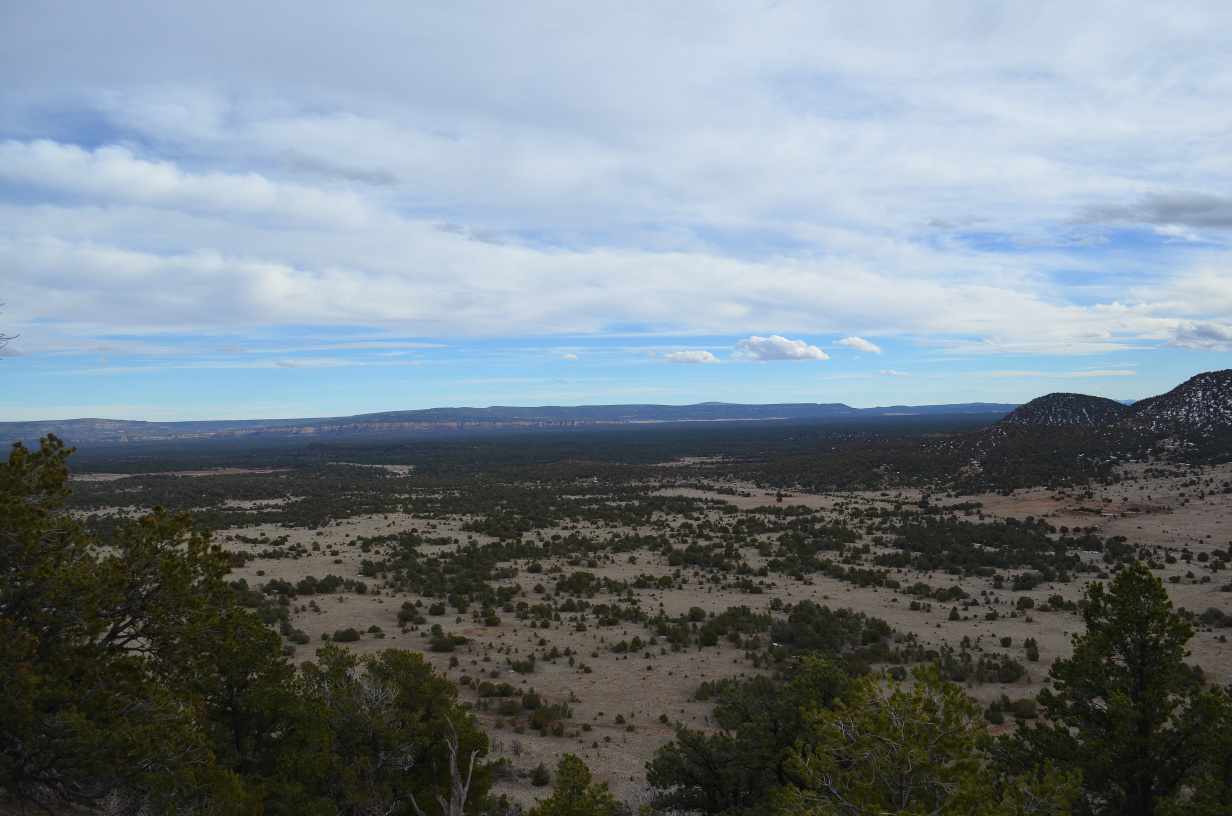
x,y
1067,411
467,419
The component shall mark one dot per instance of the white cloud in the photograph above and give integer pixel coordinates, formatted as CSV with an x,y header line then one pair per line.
x,y
289,364
690,357
860,344
568,356
1202,336
892,373
775,347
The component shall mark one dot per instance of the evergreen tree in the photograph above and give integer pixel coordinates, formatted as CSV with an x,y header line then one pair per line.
x,y
398,735
85,716
1127,712
734,770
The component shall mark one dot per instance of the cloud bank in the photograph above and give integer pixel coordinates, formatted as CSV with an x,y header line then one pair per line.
x,y
1202,337
297,162
1181,208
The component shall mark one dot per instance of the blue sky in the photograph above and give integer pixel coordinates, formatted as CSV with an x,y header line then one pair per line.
x,y
234,210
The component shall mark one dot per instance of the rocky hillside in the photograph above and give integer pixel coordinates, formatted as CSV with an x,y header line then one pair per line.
x,y
1199,408
1071,438
1067,411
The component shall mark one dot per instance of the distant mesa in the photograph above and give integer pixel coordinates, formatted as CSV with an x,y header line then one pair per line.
x,y
455,420
1067,411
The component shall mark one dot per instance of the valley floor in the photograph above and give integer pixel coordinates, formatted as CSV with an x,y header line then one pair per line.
x,y
624,704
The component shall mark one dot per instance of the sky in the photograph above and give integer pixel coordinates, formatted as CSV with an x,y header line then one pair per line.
x,y
300,209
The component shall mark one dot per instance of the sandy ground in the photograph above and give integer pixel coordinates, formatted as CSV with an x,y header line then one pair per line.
x,y
641,687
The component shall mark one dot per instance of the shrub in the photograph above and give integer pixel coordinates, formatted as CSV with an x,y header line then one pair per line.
x,y
1024,709
997,668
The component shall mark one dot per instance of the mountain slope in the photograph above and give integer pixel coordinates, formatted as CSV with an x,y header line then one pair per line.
x,y
1200,407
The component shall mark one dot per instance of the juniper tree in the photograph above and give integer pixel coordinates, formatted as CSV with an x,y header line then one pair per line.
x,y
575,794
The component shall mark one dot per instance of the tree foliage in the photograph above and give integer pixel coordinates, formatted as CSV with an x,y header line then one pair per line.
x,y
131,678
83,714
915,750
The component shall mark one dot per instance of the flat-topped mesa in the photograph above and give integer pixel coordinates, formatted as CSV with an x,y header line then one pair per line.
x,y
1067,410
1202,406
